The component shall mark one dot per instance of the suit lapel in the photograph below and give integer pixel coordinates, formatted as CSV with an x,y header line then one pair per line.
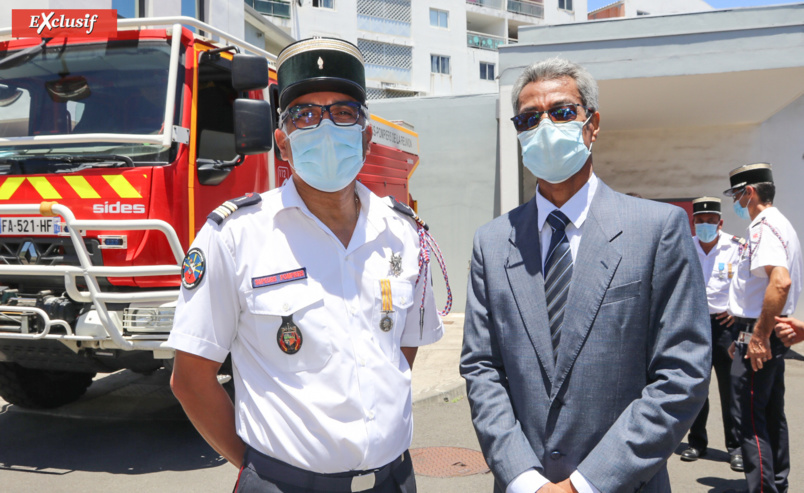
x,y
596,261
524,270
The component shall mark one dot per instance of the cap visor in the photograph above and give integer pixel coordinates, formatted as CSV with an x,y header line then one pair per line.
x,y
731,191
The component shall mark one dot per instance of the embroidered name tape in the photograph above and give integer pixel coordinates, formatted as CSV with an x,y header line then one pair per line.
x,y
270,280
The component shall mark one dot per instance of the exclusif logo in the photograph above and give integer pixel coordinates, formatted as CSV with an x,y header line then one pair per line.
x,y
81,23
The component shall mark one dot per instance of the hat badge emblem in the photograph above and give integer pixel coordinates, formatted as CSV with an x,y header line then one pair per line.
x,y
320,63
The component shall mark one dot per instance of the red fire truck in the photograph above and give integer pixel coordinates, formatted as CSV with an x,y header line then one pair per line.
x,y
112,154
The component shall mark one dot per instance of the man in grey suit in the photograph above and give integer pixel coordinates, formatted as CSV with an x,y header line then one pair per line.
x,y
587,346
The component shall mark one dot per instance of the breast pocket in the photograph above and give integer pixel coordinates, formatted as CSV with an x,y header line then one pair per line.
x,y
622,292
291,325
387,326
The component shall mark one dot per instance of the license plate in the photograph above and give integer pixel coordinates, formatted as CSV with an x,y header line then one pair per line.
x,y
30,226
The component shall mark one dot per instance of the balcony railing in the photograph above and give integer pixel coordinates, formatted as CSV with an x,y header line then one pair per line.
x,y
270,7
491,4
526,8
486,41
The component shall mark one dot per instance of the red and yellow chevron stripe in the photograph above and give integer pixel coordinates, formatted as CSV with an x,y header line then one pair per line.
x,y
71,187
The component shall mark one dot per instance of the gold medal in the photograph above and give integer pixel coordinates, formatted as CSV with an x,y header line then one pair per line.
x,y
386,322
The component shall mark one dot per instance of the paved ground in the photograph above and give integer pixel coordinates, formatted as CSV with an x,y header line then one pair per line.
x,y
129,434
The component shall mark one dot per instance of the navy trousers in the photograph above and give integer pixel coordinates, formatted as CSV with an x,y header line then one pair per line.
x,y
288,479
763,425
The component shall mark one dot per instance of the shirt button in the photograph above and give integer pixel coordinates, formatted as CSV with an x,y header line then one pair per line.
x,y
555,455
285,307
362,362
370,414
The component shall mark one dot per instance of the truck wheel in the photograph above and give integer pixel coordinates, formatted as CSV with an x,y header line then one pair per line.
x,y
38,389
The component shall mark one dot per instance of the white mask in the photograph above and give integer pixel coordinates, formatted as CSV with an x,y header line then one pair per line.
x,y
329,156
554,153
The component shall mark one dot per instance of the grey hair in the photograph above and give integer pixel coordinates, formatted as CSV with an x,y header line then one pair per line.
x,y
556,68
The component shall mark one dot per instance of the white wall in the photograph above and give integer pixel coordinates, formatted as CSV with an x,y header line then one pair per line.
x,y
428,40
554,15
659,7
340,22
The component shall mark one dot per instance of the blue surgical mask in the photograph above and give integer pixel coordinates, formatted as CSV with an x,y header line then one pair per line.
x,y
554,153
328,157
706,232
742,212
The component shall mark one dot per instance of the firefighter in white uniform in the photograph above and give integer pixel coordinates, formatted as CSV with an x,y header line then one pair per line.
x,y
767,285
321,292
718,252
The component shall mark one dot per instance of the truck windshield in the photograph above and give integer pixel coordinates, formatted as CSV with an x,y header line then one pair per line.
x,y
117,87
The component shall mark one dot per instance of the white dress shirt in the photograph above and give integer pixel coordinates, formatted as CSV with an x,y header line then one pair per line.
x,y
576,209
772,241
719,267
343,401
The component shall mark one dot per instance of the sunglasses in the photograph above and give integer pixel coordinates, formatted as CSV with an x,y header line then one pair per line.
x,y
560,114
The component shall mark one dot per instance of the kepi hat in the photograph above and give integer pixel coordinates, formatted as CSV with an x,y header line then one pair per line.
x,y
706,205
750,174
320,64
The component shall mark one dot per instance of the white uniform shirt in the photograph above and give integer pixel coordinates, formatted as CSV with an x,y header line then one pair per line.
x,y
576,209
772,241
719,267
343,401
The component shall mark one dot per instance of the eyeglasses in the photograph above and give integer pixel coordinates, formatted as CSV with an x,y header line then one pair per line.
x,y
309,116
560,114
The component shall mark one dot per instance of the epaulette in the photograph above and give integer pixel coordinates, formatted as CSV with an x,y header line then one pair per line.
x,y
227,208
738,240
398,206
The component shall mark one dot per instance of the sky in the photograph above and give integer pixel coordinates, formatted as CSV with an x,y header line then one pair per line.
x,y
718,4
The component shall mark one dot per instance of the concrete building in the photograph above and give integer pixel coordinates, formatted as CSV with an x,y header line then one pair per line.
x,y
634,8
426,47
683,100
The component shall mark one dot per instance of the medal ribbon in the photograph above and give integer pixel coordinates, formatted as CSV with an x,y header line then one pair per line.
x,y
385,289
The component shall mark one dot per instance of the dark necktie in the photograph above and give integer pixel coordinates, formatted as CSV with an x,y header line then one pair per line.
x,y
558,272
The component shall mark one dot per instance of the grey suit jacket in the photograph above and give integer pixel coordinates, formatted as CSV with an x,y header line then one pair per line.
x,y
635,352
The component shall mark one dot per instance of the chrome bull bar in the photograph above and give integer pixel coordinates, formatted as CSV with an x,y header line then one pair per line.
x,y
112,325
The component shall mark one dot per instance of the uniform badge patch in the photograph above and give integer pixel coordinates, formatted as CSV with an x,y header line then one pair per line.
x,y
396,264
279,278
193,268
289,336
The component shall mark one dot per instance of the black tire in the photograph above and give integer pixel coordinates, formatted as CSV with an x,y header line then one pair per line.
x,y
41,389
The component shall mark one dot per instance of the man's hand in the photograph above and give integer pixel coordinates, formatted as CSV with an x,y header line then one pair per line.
x,y
789,330
725,319
758,351
562,487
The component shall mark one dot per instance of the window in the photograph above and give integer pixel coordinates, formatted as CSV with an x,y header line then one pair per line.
x,y
565,4
324,4
642,12
439,64
439,18
486,71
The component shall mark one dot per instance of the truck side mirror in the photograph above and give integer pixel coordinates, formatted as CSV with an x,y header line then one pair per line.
x,y
249,72
253,126
253,135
